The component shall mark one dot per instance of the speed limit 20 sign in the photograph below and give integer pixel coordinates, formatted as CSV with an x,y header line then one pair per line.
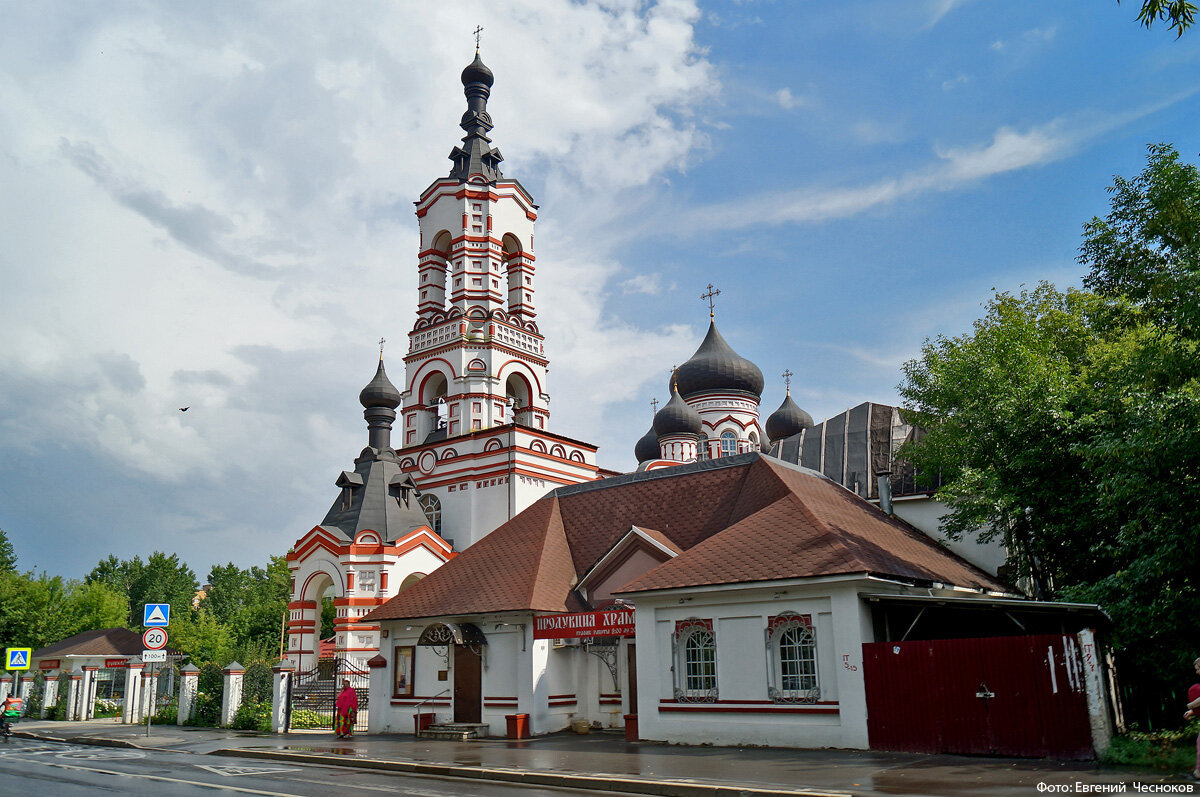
x,y
155,638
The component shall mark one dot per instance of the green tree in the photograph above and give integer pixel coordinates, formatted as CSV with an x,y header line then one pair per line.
x,y
1070,423
36,610
8,557
1178,14
160,579
202,637
251,603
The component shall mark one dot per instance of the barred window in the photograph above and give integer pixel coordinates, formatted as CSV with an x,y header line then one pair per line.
x,y
695,661
792,659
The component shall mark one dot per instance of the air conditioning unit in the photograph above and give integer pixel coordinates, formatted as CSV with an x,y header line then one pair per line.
x,y
564,643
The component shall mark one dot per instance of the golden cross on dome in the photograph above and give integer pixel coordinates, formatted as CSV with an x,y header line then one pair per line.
x,y
477,31
787,380
709,296
674,378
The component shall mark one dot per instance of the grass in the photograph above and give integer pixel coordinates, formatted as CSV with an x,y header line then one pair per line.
x,y
1161,751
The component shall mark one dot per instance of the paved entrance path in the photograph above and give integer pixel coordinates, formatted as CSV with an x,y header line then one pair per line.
x,y
605,761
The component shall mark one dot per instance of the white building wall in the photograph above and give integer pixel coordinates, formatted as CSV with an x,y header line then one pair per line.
x,y
840,622
926,514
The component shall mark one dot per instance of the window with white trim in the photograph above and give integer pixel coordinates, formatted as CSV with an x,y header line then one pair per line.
x,y
432,508
792,659
695,661
728,444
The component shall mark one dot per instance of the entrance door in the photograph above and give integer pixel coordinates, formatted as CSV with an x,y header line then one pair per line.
x,y
468,685
631,668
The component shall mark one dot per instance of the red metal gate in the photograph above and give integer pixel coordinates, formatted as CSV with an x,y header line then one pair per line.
x,y
1018,696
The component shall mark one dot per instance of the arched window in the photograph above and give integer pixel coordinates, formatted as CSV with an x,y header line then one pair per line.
x,y
728,443
432,508
702,448
695,655
792,651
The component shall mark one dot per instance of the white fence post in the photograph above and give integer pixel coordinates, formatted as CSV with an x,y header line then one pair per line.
x,y
1094,682
232,698
49,693
188,684
74,700
280,694
378,693
133,680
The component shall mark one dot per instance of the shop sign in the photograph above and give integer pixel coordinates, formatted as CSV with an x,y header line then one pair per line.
x,y
610,622
49,664
114,664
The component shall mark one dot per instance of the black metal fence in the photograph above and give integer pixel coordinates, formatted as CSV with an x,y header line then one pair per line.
x,y
313,695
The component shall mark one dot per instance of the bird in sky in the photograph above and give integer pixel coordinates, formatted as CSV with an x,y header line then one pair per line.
x,y
185,409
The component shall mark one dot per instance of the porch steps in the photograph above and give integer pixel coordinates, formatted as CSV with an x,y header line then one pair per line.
x,y
456,731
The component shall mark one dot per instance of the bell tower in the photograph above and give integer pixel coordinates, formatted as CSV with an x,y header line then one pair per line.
x,y
476,358
475,411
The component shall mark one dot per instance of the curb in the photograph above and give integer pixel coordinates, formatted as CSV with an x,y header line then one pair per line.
x,y
607,783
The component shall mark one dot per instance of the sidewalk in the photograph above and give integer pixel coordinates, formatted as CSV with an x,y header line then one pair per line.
x,y
604,761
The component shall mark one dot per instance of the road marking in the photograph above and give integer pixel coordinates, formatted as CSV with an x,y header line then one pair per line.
x,y
202,784
102,755
232,771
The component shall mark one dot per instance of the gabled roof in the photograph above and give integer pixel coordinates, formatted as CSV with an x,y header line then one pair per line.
x,y
101,642
739,519
383,498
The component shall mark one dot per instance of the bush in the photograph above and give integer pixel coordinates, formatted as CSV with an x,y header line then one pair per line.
x,y
167,715
253,716
307,718
257,683
210,680
107,708
207,711
1164,751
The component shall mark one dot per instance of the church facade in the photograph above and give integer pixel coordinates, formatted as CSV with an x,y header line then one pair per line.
x,y
466,444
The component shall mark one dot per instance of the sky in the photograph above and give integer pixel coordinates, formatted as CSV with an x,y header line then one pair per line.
x,y
210,205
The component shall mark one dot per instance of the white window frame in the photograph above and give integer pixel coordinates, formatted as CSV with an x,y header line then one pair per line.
x,y
785,684
695,676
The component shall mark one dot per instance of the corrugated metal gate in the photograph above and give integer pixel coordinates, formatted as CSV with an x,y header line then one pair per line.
x,y
1017,696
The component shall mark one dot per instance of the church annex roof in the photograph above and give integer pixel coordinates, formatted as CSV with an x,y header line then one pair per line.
x,y
716,366
737,519
101,642
376,495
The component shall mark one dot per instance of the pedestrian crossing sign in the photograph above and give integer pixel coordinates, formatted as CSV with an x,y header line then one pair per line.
x,y
17,658
157,615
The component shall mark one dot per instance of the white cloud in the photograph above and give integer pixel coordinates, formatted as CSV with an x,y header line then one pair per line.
x,y
210,205
789,101
649,284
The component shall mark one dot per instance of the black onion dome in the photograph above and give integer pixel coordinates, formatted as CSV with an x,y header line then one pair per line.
x,y
788,420
716,366
677,418
647,448
477,72
380,392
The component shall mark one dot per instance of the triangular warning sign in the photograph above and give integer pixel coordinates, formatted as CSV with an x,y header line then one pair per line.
x,y
17,660
156,616
231,771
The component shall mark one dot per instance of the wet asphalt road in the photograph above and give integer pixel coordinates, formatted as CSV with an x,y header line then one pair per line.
x,y
56,769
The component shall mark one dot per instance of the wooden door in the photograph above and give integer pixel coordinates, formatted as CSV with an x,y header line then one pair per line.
x,y
468,685
631,668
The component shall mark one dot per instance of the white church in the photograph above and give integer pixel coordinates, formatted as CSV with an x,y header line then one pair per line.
x,y
495,581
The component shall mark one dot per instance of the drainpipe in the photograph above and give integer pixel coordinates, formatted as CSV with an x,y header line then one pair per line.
x,y
885,490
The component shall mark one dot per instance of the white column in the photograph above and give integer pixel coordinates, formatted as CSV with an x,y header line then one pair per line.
x,y
280,694
146,694
1094,682
6,685
188,684
379,693
130,715
26,689
74,700
232,699
49,693
88,692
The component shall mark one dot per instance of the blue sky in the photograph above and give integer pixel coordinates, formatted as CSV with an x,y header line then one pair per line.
x,y
210,205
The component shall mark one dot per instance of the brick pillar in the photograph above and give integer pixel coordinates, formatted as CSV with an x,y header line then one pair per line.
x,y
74,700
280,695
49,693
188,684
231,700
88,687
133,679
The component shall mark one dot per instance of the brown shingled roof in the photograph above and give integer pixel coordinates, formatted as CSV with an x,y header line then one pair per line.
x,y
737,519
101,642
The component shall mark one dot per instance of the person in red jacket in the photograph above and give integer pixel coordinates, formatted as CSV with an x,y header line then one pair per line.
x,y
1193,710
347,707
